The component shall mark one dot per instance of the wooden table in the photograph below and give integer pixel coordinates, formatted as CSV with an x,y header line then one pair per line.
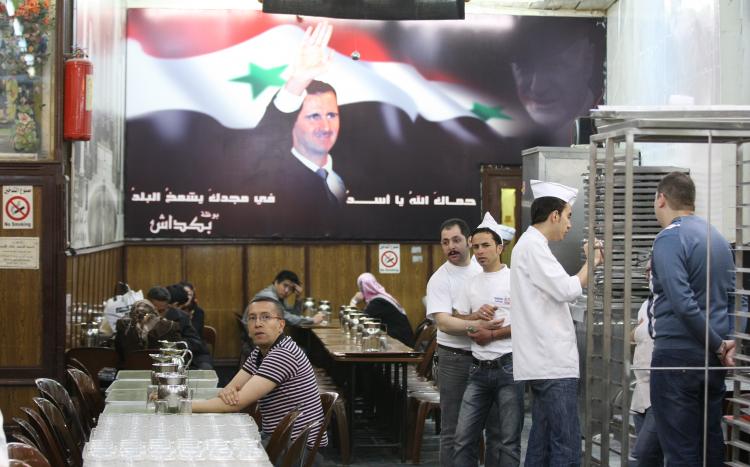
x,y
344,352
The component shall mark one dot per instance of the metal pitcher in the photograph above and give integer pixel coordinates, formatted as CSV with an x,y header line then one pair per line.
x,y
172,388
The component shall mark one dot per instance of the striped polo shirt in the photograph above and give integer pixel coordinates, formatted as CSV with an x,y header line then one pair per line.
x,y
296,388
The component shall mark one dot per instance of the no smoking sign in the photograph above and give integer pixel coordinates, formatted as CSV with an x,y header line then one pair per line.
x,y
18,206
389,258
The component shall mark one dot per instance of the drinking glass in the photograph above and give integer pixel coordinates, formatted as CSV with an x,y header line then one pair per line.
x,y
185,407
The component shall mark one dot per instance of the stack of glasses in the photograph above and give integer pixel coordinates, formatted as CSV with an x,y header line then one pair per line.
x,y
146,440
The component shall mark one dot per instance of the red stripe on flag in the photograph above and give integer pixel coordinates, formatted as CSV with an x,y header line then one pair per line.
x,y
179,34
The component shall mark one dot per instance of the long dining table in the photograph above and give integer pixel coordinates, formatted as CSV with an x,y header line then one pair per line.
x,y
343,353
129,432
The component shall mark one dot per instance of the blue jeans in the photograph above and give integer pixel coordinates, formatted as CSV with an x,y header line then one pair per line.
x,y
488,387
555,438
677,399
453,375
647,450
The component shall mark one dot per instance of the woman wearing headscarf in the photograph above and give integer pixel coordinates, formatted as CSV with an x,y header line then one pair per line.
x,y
380,304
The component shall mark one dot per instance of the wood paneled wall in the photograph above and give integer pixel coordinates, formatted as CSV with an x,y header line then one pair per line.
x,y
91,279
227,276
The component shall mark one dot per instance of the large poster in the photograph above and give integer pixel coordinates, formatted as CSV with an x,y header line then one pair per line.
x,y
385,143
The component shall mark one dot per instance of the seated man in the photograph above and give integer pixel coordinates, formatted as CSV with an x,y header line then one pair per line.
x,y
142,328
167,306
277,374
283,285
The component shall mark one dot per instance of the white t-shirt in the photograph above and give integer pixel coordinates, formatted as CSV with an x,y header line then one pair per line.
x,y
3,445
644,347
443,290
544,336
488,288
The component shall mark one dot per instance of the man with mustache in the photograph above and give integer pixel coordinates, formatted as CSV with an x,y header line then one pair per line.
x,y
454,345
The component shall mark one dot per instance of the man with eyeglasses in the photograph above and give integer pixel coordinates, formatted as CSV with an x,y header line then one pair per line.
x,y
277,374
284,285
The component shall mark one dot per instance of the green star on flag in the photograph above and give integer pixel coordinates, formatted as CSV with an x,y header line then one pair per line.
x,y
485,112
260,78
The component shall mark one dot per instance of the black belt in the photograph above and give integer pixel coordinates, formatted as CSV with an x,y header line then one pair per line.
x,y
455,350
496,363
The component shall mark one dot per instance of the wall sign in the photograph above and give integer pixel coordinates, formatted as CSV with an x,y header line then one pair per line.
x,y
19,252
389,258
18,205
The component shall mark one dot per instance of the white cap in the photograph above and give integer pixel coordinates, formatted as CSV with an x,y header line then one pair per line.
x,y
556,190
506,233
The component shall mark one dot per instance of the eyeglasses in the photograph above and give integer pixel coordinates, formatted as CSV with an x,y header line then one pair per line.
x,y
264,318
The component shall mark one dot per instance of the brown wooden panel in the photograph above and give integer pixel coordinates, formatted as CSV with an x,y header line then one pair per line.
x,y
91,279
12,398
216,273
21,302
333,271
408,286
437,257
146,266
265,261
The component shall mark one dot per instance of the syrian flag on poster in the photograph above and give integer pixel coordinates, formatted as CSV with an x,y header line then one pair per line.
x,y
233,80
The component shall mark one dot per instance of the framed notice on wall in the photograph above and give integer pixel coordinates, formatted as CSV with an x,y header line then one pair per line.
x,y
19,252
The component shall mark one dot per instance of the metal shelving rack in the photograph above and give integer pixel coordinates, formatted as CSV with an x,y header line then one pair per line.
x,y
628,127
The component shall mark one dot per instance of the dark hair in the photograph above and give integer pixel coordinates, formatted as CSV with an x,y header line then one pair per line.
x,y
679,190
462,225
188,285
277,305
542,207
286,275
319,87
159,293
495,236
177,294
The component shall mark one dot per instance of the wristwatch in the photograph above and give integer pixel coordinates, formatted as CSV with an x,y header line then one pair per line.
x,y
722,348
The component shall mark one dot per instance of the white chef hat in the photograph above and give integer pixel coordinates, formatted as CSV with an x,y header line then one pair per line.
x,y
556,190
503,231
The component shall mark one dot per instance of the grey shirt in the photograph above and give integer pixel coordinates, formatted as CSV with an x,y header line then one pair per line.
x,y
291,313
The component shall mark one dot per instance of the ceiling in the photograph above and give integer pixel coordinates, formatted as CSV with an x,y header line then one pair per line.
x,y
526,7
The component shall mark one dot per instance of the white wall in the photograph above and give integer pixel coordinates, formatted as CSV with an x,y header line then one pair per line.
x,y
678,51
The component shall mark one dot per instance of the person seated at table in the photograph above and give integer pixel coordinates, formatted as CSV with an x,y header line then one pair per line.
x,y
167,302
143,328
284,285
197,315
277,374
380,304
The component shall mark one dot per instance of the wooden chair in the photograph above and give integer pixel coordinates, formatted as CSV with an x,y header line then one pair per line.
x,y
85,390
426,334
53,450
58,395
327,399
94,359
56,424
280,437
209,338
17,463
72,362
342,430
138,360
28,454
294,453
25,433
24,440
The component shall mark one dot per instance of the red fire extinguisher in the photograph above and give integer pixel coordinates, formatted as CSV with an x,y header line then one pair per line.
x,y
78,97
